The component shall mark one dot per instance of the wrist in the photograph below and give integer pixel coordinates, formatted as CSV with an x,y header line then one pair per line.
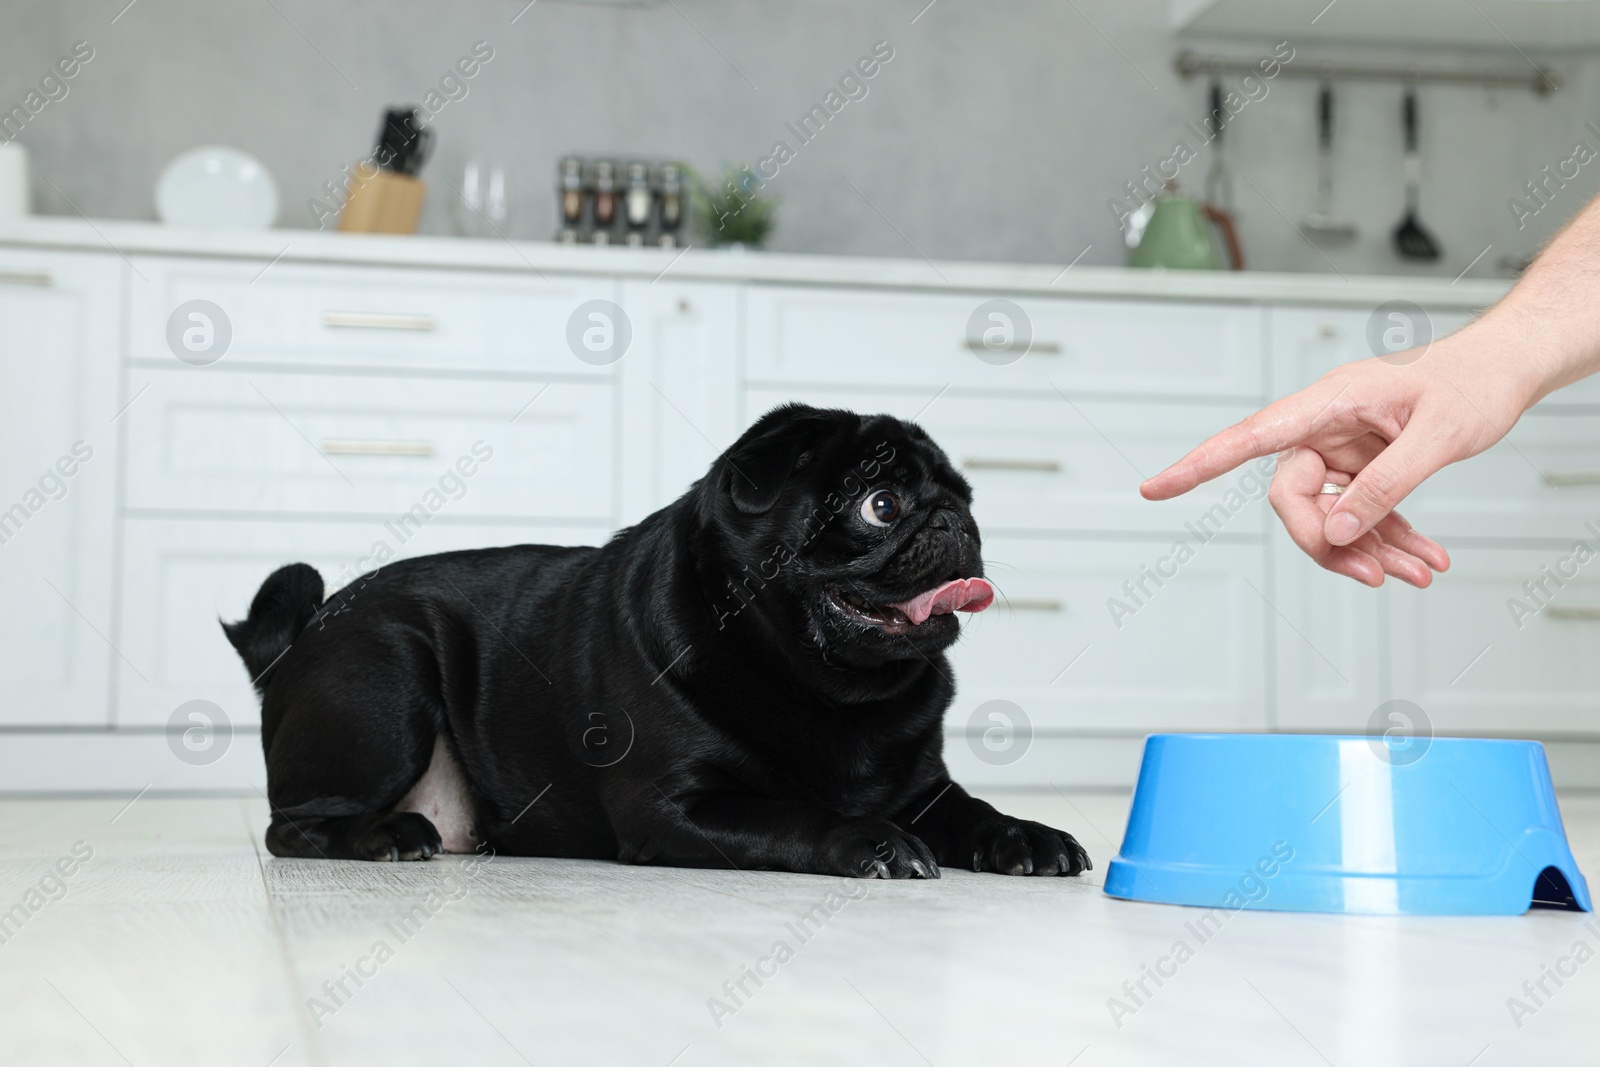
x,y
1546,331
1508,352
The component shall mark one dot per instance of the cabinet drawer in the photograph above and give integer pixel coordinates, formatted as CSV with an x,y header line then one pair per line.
x,y
1543,480
304,315
1047,463
1478,652
200,439
1183,655
1169,348
180,576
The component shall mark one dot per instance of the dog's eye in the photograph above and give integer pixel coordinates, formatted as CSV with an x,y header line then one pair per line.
x,y
881,508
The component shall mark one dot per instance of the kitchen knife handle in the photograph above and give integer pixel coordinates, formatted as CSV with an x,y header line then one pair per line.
x,y
422,148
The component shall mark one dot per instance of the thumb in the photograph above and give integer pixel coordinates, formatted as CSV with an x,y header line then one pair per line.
x,y
1380,486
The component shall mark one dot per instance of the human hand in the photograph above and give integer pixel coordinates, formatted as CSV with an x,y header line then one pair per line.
x,y
1380,427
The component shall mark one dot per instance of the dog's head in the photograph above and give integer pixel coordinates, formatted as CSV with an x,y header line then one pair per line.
x,y
852,533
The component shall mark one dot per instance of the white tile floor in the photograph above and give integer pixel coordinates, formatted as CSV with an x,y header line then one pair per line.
x,y
179,941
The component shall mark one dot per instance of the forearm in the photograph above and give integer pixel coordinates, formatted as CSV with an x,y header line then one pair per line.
x,y
1547,329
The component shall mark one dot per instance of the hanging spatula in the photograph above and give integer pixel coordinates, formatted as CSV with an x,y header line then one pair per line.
x,y
1410,239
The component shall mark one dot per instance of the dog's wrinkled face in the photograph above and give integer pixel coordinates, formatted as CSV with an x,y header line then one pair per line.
x,y
853,529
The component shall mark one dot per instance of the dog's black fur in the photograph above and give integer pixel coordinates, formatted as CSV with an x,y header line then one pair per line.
x,y
697,692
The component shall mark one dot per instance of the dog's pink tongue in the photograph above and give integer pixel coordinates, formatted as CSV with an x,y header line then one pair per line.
x,y
962,594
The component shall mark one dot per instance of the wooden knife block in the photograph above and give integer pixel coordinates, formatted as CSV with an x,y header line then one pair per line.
x,y
382,202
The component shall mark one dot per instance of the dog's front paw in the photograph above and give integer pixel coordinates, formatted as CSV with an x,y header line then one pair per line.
x,y
398,835
1016,846
876,848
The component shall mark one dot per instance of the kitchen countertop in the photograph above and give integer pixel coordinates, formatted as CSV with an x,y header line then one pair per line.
x,y
312,246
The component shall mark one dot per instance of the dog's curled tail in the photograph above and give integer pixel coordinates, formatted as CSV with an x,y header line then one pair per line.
x,y
282,607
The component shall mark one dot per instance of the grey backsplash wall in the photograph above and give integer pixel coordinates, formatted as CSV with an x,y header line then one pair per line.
x,y
997,132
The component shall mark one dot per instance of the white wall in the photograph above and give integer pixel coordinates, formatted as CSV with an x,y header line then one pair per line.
x,y
997,132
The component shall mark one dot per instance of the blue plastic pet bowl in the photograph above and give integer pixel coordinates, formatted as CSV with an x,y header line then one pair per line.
x,y
1296,822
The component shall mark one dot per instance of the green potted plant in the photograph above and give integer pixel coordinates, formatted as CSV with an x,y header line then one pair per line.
x,y
732,211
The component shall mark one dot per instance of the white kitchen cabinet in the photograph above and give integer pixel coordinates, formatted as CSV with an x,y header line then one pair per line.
x,y
1505,642
214,440
1329,643
680,388
183,577
59,341
1170,348
1087,635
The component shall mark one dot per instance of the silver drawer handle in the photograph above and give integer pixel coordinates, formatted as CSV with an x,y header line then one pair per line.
x,y
41,278
1035,605
1041,348
1032,466
367,320
377,448
1573,613
1564,479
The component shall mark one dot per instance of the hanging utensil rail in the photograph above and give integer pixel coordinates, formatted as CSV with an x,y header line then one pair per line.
x,y
1541,80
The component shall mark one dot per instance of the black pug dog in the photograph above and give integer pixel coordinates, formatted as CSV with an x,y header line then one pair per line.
x,y
753,677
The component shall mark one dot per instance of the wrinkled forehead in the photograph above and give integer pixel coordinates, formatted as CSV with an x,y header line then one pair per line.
x,y
888,450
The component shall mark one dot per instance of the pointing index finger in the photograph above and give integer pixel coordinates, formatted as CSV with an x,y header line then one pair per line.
x,y
1270,430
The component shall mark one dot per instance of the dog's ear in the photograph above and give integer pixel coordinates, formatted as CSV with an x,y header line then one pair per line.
x,y
758,466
